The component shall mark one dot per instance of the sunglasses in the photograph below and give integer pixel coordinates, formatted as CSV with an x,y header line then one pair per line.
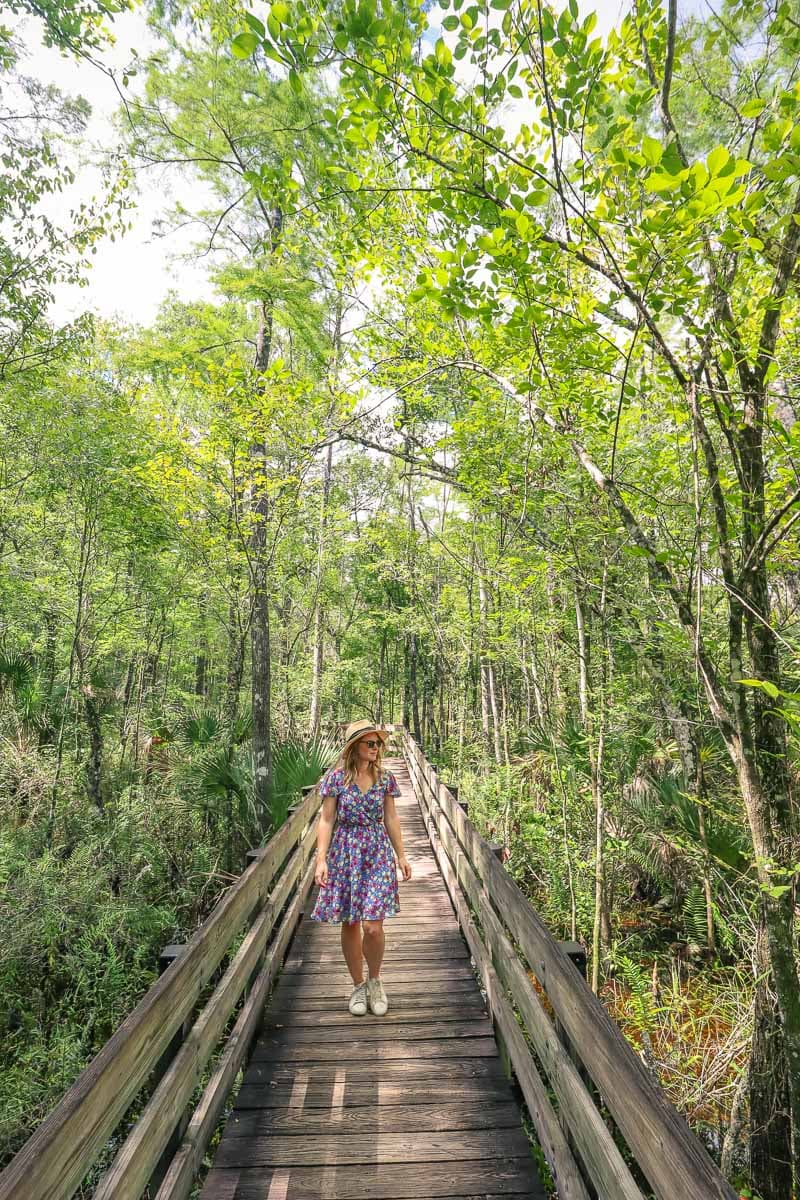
x,y
371,744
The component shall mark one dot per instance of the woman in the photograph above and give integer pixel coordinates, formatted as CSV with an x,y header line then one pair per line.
x,y
356,870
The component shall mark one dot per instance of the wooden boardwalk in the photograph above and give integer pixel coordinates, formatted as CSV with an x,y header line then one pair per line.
x,y
413,1104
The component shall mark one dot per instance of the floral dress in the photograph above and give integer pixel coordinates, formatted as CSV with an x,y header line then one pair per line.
x,y
362,878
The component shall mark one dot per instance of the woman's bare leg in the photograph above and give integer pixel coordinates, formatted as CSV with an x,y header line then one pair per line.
x,y
352,950
374,946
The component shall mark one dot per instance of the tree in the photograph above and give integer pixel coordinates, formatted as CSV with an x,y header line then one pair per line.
x,y
664,246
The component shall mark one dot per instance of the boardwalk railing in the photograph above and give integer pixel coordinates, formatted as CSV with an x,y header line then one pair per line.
x,y
508,941
167,1039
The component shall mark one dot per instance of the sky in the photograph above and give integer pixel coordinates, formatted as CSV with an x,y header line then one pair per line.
x,y
130,277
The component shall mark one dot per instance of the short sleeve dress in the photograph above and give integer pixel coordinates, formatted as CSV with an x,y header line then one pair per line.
x,y
362,878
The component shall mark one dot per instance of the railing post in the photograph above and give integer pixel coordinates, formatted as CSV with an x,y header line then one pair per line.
x,y
306,791
165,960
576,953
498,850
577,956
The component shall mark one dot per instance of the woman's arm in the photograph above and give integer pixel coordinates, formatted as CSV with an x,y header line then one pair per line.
x,y
327,821
392,822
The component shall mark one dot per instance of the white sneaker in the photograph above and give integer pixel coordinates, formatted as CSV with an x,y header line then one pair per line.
x,y
378,1001
358,1000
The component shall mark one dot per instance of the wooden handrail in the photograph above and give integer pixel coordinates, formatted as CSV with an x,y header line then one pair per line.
x,y
671,1158
60,1152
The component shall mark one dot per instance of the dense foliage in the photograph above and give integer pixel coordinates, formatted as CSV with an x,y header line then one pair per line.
x,y
493,430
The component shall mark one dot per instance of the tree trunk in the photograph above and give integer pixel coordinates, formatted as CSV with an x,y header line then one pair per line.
x,y
413,688
770,1122
319,608
600,930
261,675
94,764
406,686
381,675
261,667
201,660
487,686
769,804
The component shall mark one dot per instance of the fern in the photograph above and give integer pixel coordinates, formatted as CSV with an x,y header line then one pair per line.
x,y
639,985
694,915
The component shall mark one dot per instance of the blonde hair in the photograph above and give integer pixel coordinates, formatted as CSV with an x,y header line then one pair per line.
x,y
349,760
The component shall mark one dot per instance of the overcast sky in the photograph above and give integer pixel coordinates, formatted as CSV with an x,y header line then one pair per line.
x,y
130,277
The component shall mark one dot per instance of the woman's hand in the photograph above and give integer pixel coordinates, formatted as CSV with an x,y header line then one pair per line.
x,y
405,867
321,873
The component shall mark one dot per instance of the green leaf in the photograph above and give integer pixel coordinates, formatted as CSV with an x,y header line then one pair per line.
x,y
295,82
442,52
717,159
753,108
659,182
764,684
652,151
244,44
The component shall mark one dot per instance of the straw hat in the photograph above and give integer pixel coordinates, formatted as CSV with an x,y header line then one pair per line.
x,y
357,729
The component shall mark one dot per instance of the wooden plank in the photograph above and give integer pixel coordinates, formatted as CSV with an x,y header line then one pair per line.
x,y
672,1159
179,1178
57,1156
383,1093
308,1072
434,938
405,957
414,911
408,924
339,1050
390,973
433,934
295,988
332,1149
468,1007
389,1181
395,948
372,1118
376,1030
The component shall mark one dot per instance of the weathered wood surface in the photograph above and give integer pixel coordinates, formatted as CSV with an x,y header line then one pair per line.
x,y
334,1105
267,1072
134,1163
410,1180
379,1118
185,1165
578,1115
566,1174
378,1095
54,1160
671,1157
